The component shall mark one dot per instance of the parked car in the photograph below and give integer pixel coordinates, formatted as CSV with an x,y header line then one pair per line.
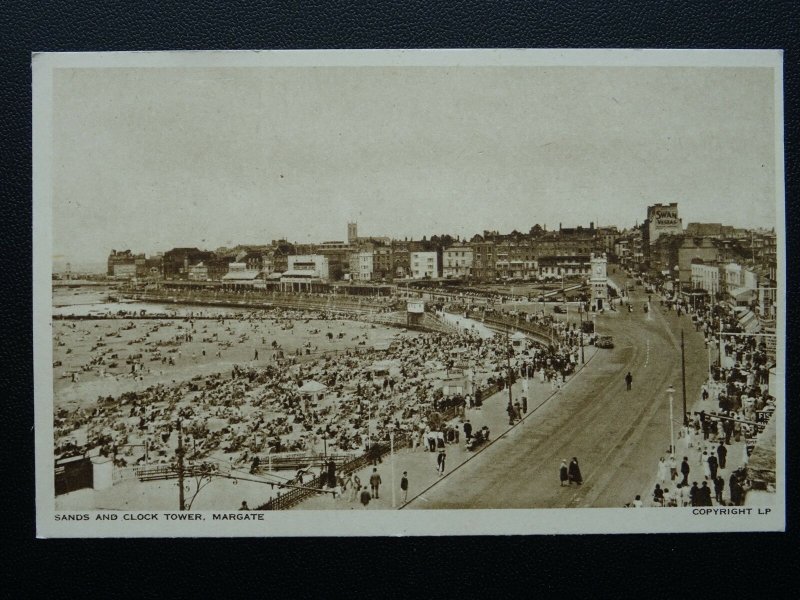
x,y
559,309
605,341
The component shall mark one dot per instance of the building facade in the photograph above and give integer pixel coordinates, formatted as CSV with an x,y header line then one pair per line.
x,y
457,262
706,277
424,265
306,267
361,265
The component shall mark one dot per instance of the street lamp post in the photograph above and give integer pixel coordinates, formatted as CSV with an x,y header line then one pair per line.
x,y
671,392
391,451
580,314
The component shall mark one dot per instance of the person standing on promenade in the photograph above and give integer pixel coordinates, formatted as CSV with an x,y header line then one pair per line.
x,y
404,487
375,482
440,462
628,381
722,454
685,470
511,413
575,472
467,430
563,472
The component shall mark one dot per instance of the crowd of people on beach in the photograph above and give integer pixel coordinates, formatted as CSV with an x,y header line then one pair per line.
x,y
258,409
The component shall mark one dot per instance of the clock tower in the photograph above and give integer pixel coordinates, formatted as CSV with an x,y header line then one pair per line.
x,y
598,280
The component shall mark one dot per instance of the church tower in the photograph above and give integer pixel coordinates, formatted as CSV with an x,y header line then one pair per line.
x,y
352,233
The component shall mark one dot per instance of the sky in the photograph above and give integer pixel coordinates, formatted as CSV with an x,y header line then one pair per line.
x,y
153,158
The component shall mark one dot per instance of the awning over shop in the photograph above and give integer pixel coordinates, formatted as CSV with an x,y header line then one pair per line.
x,y
748,320
761,466
743,294
235,276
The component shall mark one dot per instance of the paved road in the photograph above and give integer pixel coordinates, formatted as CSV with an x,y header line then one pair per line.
x,y
617,435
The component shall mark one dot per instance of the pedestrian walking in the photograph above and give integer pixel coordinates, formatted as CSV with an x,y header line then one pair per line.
x,y
525,405
404,487
440,462
694,495
706,466
705,495
681,495
365,497
467,430
575,472
375,482
356,487
719,487
722,454
563,472
628,380
663,470
685,470
713,465
673,467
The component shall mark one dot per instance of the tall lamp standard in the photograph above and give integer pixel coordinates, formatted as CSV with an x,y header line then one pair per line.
x,y
671,392
580,314
391,451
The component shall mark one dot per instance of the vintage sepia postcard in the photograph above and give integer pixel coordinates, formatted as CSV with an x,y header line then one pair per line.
x,y
361,293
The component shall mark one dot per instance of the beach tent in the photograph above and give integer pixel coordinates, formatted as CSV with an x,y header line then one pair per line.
x,y
312,388
384,366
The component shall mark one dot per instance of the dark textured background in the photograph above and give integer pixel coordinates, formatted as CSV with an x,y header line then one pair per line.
x,y
749,564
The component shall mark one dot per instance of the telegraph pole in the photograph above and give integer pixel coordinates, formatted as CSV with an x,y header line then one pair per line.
x,y
683,377
181,499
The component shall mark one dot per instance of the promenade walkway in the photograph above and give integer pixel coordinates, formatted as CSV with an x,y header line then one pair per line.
x,y
421,464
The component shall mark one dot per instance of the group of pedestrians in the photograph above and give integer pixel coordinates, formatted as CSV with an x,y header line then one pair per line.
x,y
699,492
365,494
569,474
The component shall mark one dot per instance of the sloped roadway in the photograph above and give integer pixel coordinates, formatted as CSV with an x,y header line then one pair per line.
x,y
617,435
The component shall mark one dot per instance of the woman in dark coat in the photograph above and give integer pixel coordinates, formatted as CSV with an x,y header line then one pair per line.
x,y
575,472
563,473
